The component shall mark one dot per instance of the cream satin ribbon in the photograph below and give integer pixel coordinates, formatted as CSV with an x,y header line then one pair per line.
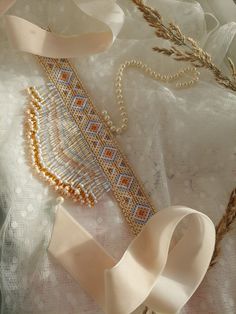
x,y
29,37
148,273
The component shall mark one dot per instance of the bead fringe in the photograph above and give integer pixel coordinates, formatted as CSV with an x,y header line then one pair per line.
x,y
58,151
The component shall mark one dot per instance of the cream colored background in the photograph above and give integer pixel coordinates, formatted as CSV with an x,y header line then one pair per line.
x,y
182,144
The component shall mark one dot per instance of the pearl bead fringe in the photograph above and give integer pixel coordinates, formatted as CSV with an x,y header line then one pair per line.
x,y
86,192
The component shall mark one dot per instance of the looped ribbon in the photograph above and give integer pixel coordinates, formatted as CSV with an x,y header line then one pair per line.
x,y
149,272
28,37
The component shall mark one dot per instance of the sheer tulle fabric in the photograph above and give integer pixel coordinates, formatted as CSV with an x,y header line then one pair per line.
x,y
181,144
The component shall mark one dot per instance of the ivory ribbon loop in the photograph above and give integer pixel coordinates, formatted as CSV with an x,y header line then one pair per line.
x,y
28,37
149,272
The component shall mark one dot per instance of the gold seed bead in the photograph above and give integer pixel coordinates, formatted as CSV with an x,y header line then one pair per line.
x,y
125,120
123,126
113,129
107,118
118,130
110,123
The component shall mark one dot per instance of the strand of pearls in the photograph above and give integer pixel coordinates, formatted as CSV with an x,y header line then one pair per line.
x,y
167,78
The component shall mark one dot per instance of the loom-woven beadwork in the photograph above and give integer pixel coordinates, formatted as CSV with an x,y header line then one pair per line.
x,y
66,129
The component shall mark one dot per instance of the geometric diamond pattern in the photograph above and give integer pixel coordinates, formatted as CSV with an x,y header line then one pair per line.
x,y
108,153
64,76
122,164
51,66
141,213
95,143
139,192
124,181
79,102
127,200
93,127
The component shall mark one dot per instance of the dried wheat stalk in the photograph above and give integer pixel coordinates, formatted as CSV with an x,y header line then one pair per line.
x,y
187,49
184,48
224,225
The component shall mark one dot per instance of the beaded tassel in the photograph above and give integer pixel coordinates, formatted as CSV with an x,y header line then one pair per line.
x,y
59,153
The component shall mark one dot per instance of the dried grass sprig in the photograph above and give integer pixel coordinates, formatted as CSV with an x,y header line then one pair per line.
x,y
184,48
224,226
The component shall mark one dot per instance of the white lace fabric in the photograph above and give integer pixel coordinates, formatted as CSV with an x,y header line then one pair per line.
x,y
180,142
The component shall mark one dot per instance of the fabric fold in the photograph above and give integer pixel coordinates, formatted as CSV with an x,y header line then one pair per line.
x,y
147,269
28,37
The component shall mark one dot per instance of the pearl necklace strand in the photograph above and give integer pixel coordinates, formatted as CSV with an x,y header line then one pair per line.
x,y
154,75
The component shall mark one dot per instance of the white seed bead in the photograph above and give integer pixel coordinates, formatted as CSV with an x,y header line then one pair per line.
x,y
122,108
